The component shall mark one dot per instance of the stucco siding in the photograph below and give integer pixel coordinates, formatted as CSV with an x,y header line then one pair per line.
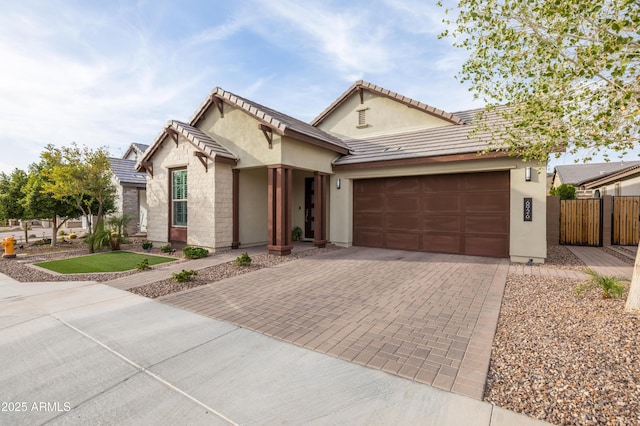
x,y
303,155
240,134
382,115
253,206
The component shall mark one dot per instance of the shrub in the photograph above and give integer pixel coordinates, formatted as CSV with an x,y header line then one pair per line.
x,y
195,252
184,276
564,191
244,259
73,236
33,236
610,286
296,233
61,232
144,265
166,249
147,245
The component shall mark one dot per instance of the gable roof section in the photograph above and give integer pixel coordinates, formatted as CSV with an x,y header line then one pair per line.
x,y
432,144
139,148
579,174
125,172
202,141
411,103
624,174
280,123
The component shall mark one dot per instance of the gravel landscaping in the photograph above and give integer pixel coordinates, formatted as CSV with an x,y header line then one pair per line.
x,y
563,359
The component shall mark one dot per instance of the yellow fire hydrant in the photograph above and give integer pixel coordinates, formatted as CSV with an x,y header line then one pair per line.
x,y
8,244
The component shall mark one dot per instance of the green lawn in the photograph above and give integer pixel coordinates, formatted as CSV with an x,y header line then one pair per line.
x,y
114,261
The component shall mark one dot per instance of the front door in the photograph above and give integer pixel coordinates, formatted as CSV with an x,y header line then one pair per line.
x,y
309,211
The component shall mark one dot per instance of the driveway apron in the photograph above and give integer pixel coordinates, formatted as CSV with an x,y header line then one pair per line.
x,y
427,317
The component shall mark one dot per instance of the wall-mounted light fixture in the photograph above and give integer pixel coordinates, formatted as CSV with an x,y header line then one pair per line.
x,y
338,183
527,174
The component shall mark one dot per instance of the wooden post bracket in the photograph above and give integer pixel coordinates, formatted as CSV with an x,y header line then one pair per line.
x,y
219,104
268,134
203,159
148,166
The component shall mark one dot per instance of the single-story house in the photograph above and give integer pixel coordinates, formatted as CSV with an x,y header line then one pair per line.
x,y
594,180
131,198
374,169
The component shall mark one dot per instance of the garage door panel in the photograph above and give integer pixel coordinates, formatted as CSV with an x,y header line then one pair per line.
x,y
483,181
402,204
486,225
407,222
404,185
368,204
486,202
442,223
441,243
486,246
440,184
464,213
440,203
403,240
369,220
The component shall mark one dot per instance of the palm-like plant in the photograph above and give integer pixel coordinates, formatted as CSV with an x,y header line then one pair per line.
x,y
610,286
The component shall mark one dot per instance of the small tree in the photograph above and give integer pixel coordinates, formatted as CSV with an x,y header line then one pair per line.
x,y
564,191
11,199
83,175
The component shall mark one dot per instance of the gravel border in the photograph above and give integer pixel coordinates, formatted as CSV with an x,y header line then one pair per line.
x,y
563,359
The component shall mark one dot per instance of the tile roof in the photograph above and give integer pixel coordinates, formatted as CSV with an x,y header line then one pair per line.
x,y
358,85
141,146
281,123
125,172
432,142
202,140
578,174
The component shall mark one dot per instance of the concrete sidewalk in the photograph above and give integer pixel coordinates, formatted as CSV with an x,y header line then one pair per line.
x,y
86,353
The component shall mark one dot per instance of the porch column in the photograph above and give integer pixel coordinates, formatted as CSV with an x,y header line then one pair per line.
x,y
279,209
236,209
320,209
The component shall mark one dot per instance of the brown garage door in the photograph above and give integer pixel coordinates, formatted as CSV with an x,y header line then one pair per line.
x,y
463,214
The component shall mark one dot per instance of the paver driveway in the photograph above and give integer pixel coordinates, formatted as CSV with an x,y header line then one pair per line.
x,y
424,316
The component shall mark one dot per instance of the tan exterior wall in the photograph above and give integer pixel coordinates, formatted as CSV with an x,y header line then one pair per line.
x,y
627,188
200,195
143,209
382,114
527,239
553,220
223,207
239,133
253,207
303,155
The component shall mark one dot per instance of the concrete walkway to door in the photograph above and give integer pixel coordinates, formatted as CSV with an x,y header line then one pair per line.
x,y
426,317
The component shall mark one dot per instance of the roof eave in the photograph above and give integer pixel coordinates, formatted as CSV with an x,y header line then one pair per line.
x,y
419,160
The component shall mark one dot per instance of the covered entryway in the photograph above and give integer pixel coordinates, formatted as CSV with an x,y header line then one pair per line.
x,y
458,213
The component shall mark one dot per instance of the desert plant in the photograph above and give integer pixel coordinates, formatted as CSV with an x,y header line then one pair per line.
x,y
73,236
144,265
244,259
195,252
610,286
61,232
166,249
184,276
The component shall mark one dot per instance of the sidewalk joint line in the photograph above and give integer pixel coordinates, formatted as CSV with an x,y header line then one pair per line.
x,y
144,370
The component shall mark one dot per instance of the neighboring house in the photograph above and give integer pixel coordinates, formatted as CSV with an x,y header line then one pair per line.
x,y
597,179
374,169
131,198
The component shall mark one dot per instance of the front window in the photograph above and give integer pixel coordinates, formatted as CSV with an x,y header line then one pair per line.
x,y
179,197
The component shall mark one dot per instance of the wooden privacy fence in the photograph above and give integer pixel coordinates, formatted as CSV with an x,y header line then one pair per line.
x,y
626,221
581,222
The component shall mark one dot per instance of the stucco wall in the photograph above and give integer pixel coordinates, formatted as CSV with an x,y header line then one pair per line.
x,y
382,114
527,239
240,134
303,155
253,206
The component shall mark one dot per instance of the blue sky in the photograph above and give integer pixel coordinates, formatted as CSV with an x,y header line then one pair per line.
x,y
109,73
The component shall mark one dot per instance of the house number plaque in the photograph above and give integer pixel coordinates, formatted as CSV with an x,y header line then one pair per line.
x,y
528,209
